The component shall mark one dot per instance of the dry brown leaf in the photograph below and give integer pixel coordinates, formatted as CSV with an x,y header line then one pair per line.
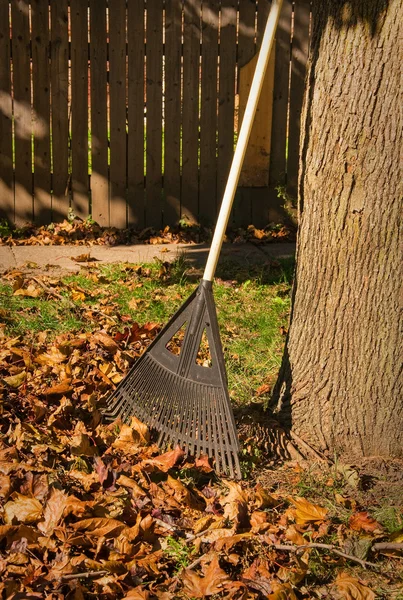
x,y
105,341
282,592
362,521
132,436
236,504
60,389
263,499
227,543
108,528
137,594
22,509
351,588
306,512
53,511
258,577
14,381
164,462
30,292
212,581
293,535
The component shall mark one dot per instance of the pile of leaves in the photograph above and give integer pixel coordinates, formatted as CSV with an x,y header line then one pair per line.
x,y
91,509
87,232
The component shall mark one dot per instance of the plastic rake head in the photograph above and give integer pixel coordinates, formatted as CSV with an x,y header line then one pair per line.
x,y
186,403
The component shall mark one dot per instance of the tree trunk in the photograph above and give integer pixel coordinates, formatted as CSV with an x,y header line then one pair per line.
x,y
340,385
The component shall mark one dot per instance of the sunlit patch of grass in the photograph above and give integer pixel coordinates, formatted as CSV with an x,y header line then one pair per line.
x,y
252,305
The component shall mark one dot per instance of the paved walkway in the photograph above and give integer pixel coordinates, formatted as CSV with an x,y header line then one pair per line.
x,y
61,256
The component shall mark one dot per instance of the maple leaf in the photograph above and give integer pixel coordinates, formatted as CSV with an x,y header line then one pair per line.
x,y
282,592
212,581
306,512
351,588
22,509
361,521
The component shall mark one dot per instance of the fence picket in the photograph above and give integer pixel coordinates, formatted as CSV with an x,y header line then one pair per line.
x,y
135,141
24,206
154,114
226,94
41,111
79,107
277,171
99,124
172,117
59,77
6,143
117,93
190,111
246,31
299,56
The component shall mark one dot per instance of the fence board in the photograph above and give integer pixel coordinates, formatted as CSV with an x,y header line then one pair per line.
x,y
277,171
299,56
79,107
190,111
41,111
99,124
246,31
6,148
117,91
154,114
59,102
172,119
226,94
135,148
22,112
208,113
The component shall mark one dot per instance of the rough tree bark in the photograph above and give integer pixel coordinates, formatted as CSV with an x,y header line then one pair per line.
x,y
340,386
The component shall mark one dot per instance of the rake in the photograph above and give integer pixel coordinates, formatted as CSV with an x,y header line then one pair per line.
x,y
185,402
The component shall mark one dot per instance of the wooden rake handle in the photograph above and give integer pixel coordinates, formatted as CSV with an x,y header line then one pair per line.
x,y
244,134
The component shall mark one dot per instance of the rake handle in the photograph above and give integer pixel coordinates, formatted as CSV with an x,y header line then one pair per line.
x,y
244,134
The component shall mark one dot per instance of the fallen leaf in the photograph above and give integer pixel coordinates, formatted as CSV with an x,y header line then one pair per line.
x,y
108,528
105,341
258,577
282,592
351,588
362,521
22,509
14,381
53,511
60,389
306,512
164,462
210,583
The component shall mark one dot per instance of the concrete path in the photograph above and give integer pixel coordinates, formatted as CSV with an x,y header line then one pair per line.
x,y
60,257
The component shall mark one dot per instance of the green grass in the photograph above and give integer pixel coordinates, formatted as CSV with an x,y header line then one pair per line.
x,y
252,305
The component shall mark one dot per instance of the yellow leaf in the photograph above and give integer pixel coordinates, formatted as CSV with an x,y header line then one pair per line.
x,y
22,509
352,588
307,512
15,381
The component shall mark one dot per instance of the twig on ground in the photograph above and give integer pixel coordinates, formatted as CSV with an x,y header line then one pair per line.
x,y
380,546
84,575
330,547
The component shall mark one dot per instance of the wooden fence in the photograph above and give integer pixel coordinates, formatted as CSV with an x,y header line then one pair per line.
x,y
128,110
